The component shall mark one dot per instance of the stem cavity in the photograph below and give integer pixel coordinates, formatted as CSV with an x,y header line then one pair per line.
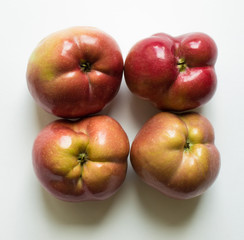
x,y
187,145
181,64
82,158
85,66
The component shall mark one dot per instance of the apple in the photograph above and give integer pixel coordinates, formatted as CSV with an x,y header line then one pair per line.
x,y
176,155
175,74
81,160
75,72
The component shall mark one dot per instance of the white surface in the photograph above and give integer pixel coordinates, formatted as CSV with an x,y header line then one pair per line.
x,y
136,211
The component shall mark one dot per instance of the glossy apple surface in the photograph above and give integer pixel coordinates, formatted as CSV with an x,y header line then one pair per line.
x,y
75,72
81,160
173,73
176,154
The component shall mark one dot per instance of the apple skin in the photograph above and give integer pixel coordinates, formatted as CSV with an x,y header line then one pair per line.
x,y
176,155
175,74
75,72
81,160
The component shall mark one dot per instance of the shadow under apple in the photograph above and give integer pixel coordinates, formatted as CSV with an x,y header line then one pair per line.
x,y
142,110
43,118
113,105
82,213
160,208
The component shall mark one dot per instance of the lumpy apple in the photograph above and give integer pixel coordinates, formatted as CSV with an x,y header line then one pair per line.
x,y
75,72
81,160
176,154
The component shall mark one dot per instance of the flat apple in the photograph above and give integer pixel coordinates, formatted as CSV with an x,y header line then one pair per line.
x,y
81,160
173,73
176,155
75,72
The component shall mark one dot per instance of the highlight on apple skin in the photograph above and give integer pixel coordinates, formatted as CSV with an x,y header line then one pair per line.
x,y
81,160
176,155
75,72
173,73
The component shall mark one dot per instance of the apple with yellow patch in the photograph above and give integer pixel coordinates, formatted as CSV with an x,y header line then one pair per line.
x,y
81,160
75,72
176,154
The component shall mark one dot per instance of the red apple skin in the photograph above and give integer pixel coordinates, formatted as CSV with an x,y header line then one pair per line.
x,y
176,155
175,74
81,160
75,72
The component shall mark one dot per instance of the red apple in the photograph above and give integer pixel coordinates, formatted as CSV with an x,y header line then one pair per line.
x,y
176,154
75,72
173,73
81,160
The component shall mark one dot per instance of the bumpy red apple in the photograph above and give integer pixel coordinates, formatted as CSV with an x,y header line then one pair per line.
x,y
176,154
81,160
173,73
75,72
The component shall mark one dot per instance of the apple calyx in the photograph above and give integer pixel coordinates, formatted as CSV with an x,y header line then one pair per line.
x,y
85,67
181,65
82,158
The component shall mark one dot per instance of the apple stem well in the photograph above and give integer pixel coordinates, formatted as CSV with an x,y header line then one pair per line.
x,y
85,66
181,64
82,158
187,145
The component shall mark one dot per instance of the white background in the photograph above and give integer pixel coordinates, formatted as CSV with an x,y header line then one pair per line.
x,y
136,211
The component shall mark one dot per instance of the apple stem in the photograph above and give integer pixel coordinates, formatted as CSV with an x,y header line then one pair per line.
x,y
181,64
82,158
85,66
187,145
